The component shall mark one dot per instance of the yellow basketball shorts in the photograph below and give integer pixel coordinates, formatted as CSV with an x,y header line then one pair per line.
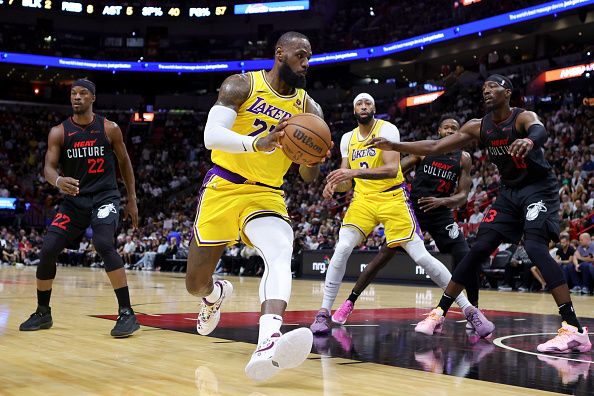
x,y
392,208
224,208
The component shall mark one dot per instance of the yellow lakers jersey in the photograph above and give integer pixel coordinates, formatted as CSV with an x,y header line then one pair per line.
x,y
257,116
361,156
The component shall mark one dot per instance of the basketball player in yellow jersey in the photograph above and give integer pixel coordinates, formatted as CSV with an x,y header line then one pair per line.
x,y
241,198
381,196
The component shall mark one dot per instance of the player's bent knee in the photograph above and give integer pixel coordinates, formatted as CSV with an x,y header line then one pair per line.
x,y
46,270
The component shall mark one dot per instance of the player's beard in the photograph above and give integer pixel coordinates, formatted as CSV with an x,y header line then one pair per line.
x,y
365,120
81,110
291,78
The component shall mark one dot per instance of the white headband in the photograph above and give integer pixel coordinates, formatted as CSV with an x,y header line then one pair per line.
x,y
363,95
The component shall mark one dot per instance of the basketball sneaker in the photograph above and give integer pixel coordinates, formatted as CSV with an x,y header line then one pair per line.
x,y
433,323
40,319
568,339
279,352
479,321
210,313
321,324
126,324
342,313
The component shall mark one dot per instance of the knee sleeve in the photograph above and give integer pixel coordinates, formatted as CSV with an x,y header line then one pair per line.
x,y
53,244
348,239
104,242
466,270
537,249
273,238
438,272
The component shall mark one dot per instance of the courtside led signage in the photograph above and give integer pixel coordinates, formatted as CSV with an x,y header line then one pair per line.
x,y
146,117
568,72
451,33
276,6
423,99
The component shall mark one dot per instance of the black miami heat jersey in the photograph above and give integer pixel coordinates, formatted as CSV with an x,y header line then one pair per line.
x,y
514,171
437,176
87,156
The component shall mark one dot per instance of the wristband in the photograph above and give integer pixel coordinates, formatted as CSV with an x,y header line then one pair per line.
x,y
56,182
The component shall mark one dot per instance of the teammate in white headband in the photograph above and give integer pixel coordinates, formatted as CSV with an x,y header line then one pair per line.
x,y
363,95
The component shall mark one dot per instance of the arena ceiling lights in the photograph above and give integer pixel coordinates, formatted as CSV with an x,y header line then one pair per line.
x,y
477,27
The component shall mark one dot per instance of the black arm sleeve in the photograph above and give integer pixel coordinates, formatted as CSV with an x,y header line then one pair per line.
x,y
538,134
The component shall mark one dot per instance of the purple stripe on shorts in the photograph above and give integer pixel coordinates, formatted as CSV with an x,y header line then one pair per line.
x,y
412,211
396,187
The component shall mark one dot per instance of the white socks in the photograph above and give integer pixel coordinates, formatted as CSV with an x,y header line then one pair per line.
x,y
269,324
215,294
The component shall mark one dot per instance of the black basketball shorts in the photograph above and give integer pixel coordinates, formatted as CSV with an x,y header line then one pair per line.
x,y
533,207
77,213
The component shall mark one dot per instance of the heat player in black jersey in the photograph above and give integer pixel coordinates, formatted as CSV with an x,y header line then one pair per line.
x,y
85,148
441,182
527,204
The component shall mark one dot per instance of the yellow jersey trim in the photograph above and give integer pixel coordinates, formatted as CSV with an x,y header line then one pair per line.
x,y
375,124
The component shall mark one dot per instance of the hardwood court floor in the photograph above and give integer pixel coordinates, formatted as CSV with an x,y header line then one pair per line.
x,y
378,355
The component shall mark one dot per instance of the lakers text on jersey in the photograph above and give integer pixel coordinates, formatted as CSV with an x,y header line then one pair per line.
x,y
242,186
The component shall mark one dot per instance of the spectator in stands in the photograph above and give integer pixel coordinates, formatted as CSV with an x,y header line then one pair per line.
x,y
578,210
565,256
231,259
518,266
127,251
252,262
584,257
478,196
10,251
312,242
476,217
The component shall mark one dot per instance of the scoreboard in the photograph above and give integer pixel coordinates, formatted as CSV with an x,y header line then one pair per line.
x,y
117,9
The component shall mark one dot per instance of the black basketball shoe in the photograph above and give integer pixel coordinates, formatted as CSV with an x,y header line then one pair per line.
x,y
126,324
40,319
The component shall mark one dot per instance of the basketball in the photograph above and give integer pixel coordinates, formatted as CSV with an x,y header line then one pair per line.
x,y
307,139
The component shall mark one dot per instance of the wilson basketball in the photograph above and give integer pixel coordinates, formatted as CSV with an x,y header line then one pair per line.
x,y
307,139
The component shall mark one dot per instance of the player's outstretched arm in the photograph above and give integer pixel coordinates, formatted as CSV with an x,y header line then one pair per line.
x,y
310,173
67,185
114,133
469,132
